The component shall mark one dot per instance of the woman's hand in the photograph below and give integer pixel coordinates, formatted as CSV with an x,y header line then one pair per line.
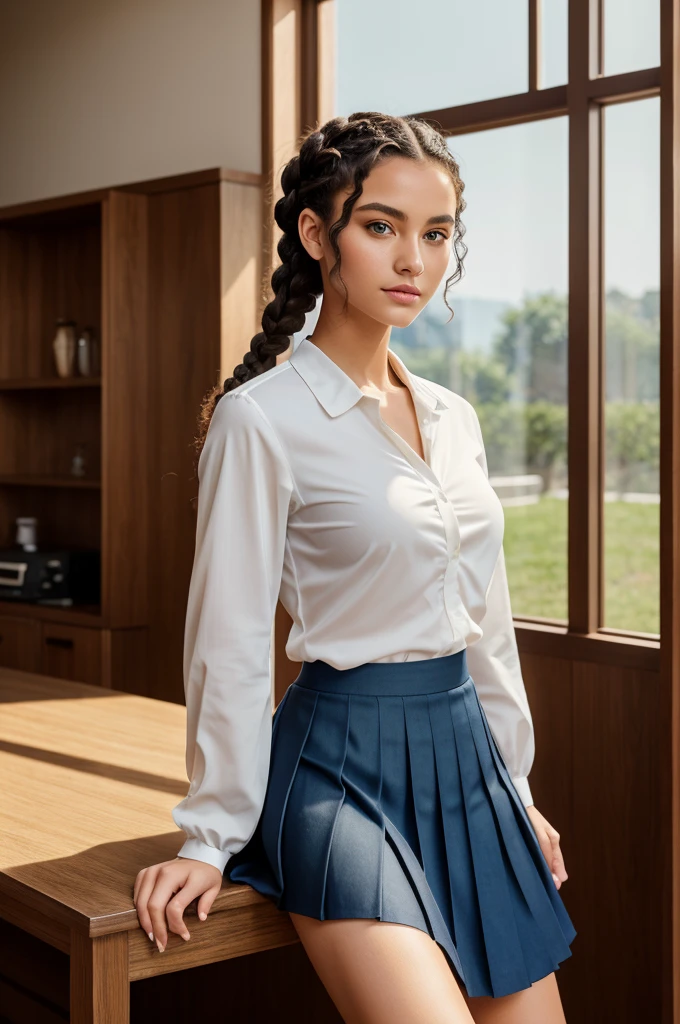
x,y
549,840
155,899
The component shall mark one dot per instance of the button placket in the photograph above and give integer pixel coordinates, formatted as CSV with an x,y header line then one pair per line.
x,y
426,420
451,527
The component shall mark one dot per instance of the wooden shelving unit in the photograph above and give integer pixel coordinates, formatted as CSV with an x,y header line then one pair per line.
x,y
167,272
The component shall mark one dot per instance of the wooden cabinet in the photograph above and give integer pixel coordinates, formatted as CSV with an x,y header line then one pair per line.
x,y
54,649
19,644
167,273
71,652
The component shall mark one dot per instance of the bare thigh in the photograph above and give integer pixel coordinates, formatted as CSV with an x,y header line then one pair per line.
x,y
540,1004
381,973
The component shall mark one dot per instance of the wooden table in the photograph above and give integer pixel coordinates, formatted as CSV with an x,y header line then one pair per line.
x,y
88,778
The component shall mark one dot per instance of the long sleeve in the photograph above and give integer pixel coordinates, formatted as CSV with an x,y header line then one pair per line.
x,y
494,665
245,490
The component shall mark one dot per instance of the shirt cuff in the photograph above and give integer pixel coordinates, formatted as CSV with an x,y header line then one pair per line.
x,y
521,784
197,850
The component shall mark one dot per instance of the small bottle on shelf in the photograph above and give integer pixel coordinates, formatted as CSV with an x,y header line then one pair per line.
x,y
64,346
88,353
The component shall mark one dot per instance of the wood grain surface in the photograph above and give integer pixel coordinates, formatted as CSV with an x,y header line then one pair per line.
x,y
88,780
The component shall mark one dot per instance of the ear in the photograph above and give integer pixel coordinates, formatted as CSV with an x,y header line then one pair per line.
x,y
310,228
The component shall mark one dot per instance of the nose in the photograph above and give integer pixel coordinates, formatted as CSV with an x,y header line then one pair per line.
x,y
409,259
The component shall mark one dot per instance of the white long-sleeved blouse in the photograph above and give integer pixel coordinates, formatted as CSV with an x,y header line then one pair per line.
x,y
306,494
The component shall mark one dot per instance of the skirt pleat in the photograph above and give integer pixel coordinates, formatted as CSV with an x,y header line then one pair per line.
x,y
359,836
467,919
399,807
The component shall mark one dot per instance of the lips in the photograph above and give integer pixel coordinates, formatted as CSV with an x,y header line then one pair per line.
x,y
407,288
406,296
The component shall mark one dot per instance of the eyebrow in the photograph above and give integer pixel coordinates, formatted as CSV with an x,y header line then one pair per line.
x,y
391,211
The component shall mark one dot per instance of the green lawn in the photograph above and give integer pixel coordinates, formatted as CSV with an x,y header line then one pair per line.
x,y
536,555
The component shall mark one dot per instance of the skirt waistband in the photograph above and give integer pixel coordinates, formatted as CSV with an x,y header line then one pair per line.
x,y
387,678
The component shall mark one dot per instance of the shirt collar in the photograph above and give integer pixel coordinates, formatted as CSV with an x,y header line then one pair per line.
x,y
337,392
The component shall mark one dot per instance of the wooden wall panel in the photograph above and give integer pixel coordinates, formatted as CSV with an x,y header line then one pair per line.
x,y
549,689
616,857
596,779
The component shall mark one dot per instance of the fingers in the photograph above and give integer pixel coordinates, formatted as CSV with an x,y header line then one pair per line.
x,y
178,904
557,860
167,884
154,887
144,885
162,893
549,841
207,899
550,844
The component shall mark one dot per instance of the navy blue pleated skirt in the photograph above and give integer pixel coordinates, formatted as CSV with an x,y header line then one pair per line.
x,y
388,798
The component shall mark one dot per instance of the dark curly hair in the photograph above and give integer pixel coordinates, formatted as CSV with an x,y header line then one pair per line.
x,y
339,153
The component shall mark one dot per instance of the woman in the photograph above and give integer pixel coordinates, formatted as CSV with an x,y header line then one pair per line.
x,y
390,788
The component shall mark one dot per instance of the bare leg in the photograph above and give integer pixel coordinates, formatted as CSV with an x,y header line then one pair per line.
x,y
540,1004
381,973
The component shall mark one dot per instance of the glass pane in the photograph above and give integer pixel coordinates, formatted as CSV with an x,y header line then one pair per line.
x,y
505,349
554,36
631,415
631,35
401,58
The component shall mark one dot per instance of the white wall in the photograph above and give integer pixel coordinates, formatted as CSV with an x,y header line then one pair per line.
x,y
106,92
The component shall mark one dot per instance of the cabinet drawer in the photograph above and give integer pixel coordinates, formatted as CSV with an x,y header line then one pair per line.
x,y
71,652
20,644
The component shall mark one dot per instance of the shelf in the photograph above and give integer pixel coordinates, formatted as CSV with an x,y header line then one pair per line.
x,y
34,383
35,480
115,259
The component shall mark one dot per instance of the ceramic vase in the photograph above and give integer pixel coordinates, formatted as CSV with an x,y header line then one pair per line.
x,y
64,346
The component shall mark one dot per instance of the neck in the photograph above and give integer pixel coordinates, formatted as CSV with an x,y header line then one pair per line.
x,y
393,378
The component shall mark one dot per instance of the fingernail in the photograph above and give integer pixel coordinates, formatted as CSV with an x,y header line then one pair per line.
x,y
186,936
160,948
203,915
556,879
150,934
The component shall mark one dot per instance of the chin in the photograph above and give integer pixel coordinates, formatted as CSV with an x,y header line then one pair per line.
x,y
405,321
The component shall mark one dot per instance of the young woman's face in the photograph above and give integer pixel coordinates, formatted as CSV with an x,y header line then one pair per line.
x,y
399,234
